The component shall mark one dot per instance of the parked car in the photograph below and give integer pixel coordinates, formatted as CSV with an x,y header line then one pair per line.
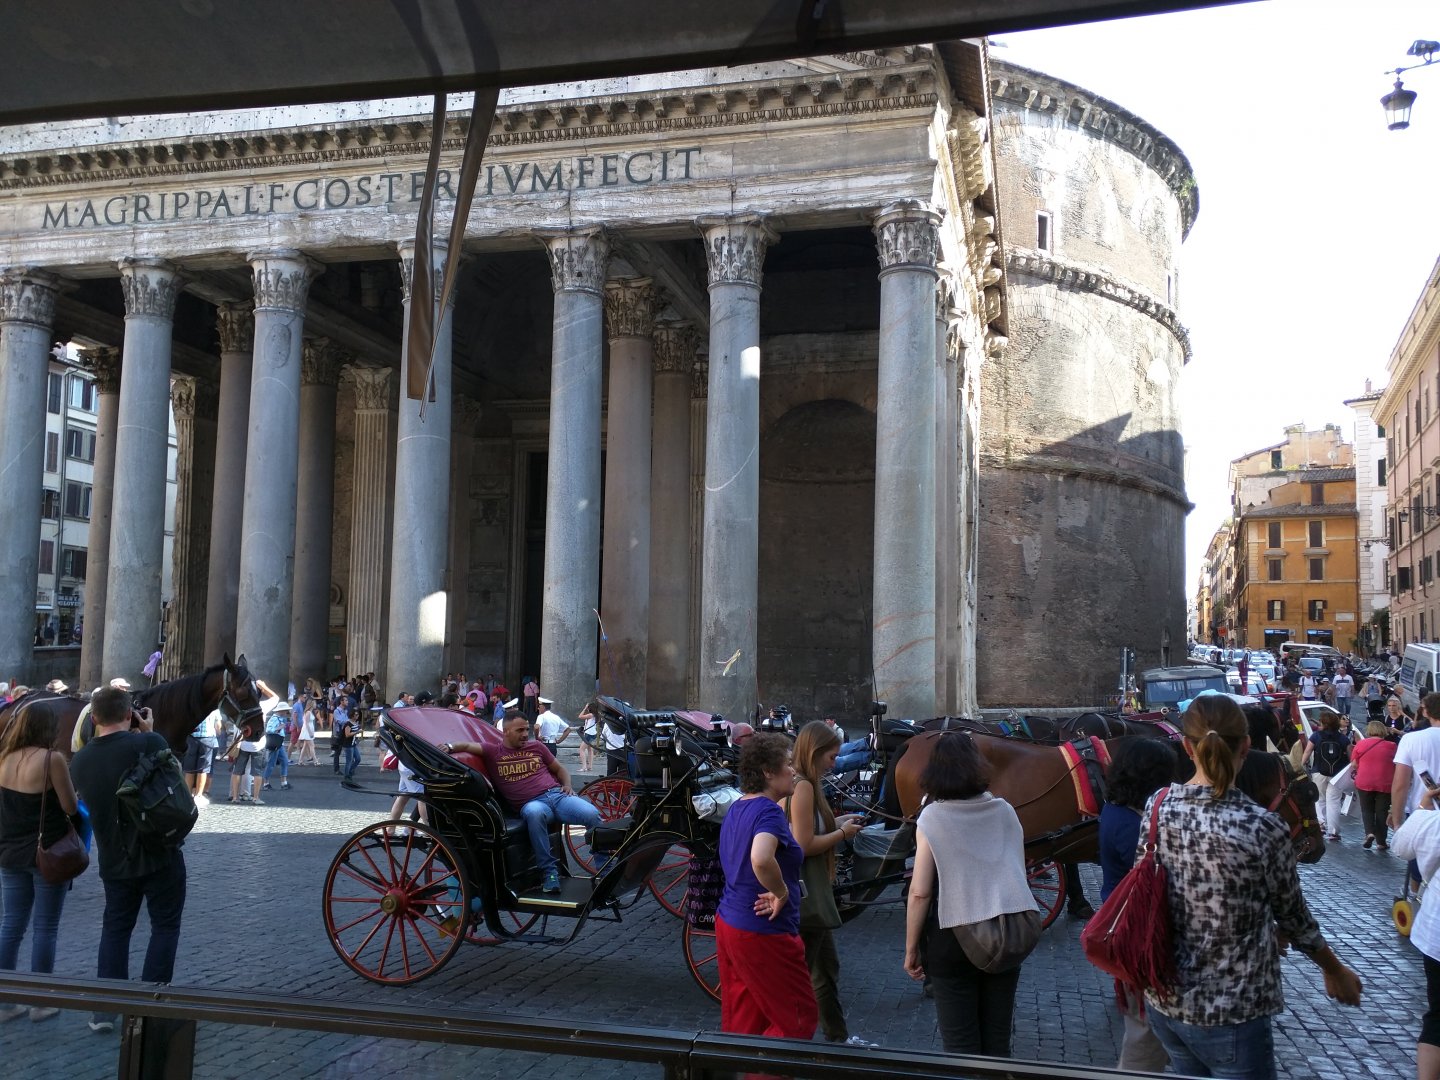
x,y
1310,714
1165,687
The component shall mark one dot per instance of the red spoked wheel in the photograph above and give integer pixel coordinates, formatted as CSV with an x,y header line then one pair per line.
x,y
702,955
1047,884
395,897
613,796
671,879
513,921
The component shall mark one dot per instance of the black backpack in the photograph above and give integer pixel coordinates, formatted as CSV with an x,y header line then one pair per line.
x,y
154,803
1331,754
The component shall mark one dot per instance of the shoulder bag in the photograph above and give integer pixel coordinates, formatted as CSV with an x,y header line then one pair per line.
x,y
1132,936
1000,944
66,859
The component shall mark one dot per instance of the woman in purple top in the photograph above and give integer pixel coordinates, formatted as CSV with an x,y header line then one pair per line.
x,y
764,980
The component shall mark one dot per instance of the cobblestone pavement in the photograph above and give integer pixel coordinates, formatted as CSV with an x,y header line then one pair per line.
x,y
253,923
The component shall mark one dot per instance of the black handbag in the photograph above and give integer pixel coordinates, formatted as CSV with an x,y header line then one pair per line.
x,y
1002,943
66,859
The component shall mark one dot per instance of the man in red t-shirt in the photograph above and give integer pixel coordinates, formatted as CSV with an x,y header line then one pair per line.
x,y
532,782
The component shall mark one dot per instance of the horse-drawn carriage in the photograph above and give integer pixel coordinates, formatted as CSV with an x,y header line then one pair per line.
x,y
401,897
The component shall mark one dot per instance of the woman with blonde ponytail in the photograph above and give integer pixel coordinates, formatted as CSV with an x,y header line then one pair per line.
x,y
1232,883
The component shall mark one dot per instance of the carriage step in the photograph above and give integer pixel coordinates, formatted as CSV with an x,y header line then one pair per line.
x,y
574,893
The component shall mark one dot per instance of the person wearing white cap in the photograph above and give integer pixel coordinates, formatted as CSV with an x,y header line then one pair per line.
x,y
120,684
550,727
57,686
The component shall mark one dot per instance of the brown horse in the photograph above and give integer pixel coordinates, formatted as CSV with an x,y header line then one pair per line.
x,y
176,707
1036,780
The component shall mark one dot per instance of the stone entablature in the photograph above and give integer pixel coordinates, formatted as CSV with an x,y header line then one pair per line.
x,y
1068,275
817,95
1038,92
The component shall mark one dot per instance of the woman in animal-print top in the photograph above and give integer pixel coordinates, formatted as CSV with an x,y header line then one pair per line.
x,y
1233,882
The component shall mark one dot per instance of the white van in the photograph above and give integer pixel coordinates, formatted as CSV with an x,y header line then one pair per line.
x,y
1419,673
1298,649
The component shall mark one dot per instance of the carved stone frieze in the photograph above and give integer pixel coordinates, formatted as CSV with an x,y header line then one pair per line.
x,y
320,362
235,323
282,279
28,295
629,308
150,287
103,361
735,248
674,345
372,388
578,258
907,235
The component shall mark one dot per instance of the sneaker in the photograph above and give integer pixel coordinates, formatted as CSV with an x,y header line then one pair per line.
x,y
202,800
285,786
12,1012
863,1044
267,787
258,802
552,881
39,1013
101,1025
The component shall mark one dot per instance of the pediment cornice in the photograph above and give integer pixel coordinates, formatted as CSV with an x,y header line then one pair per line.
x,y
884,86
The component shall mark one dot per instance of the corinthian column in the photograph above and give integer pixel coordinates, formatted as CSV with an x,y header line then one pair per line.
x,y
947,534
903,635
669,646
699,387
236,326
735,248
370,520
194,403
578,259
104,363
464,426
142,444
267,545
415,642
314,511
27,313
625,563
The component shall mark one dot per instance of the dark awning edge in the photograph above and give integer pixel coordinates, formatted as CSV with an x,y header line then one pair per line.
x,y
237,57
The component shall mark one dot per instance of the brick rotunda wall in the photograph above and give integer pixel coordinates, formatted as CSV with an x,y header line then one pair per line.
x,y
1082,492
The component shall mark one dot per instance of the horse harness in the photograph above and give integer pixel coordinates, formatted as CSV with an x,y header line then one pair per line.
x,y
1286,796
233,711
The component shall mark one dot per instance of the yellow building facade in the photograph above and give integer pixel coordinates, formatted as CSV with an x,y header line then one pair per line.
x,y
1297,565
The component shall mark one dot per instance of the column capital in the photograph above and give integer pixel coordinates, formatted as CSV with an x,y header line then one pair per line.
x,y
150,286
320,362
103,361
674,346
735,248
372,388
466,416
27,295
182,397
629,307
439,252
578,258
282,278
907,234
235,322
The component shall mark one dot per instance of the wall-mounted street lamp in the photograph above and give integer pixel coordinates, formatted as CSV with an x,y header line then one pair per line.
x,y
1398,102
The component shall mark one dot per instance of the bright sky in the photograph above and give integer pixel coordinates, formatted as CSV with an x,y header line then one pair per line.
x,y
1317,227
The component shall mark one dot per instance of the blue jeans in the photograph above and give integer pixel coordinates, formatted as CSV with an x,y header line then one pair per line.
x,y
555,805
352,760
25,894
279,756
163,893
1232,1051
854,754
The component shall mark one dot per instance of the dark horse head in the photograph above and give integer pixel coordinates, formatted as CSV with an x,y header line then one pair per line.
x,y
182,703
1272,782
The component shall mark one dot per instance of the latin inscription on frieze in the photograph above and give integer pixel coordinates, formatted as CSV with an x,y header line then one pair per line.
x,y
396,191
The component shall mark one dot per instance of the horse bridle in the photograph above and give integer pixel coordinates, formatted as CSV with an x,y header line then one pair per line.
x,y
232,710
1286,797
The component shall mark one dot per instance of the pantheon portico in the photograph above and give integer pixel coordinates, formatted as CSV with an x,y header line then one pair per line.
x,y
704,415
